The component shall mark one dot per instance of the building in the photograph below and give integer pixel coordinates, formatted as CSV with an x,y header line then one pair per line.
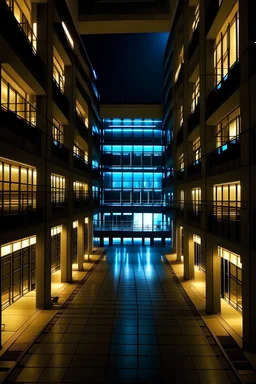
x,y
132,202
209,110
49,148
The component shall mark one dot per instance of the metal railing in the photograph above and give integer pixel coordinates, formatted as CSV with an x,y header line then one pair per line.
x,y
140,203
131,227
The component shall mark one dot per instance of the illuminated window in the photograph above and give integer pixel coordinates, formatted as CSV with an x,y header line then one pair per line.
x,y
195,95
196,199
14,99
79,152
82,113
226,50
196,17
57,131
227,201
229,128
181,162
58,70
18,187
181,116
182,199
80,190
55,248
22,11
197,150
68,36
179,64
57,189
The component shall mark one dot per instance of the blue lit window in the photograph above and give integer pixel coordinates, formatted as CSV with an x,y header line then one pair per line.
x,y
224,147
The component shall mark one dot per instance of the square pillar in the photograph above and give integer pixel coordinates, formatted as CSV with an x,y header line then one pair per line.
x,y
90,235
43,269
66,252
213,280
178,243
80,250
189,272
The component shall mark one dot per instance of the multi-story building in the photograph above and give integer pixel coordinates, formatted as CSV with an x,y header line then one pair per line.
x,y
49,148
211,77
132,202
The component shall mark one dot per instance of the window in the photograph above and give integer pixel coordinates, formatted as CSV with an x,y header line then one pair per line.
x,y
195,95
79,152
226,50
57,189
18,185
229,129
196,200
181,116
14,99
196,17
57,132
55,247
179,64
68,36
197,150
181,162
227,201
182,199
80,190
58,70
82,113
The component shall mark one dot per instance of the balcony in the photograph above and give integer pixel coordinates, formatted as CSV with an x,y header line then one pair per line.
x,y
194,42
59,207
225,158
81,127
21,38
60,99
81,200
226,87
194,170
18,209
80,163
180,77
194,214
179,175
225,224
194,119
60,151
179,137
150,202
131,227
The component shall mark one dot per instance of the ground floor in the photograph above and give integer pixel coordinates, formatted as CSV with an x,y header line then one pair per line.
x,y
130,320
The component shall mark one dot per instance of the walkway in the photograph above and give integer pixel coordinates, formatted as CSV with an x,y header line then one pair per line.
x,y
131,321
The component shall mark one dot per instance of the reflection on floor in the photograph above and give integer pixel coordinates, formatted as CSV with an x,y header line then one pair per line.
x,y
130,322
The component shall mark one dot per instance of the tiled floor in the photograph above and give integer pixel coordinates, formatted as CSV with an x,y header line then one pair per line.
x,y
130,322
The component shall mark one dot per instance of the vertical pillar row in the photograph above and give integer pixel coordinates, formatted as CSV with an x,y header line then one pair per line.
x,y
188,255
43,269
80,251
66,252
213,280
90,235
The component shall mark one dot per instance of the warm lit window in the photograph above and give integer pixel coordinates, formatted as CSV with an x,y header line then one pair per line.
x,y
14,99
182,199
196,18
18,187
196,199
197,150
179,64
195,95
80,190
82,113
79,152
226,50
68,36
227,201
57,189
57,132
22,11
181,162
9,248
58,70
228,130
181,116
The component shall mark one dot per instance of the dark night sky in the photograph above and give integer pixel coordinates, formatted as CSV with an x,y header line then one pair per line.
x,y
129,66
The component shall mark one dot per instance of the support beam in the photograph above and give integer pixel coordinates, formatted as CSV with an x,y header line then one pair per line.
x,y
213,280
189,272
66,252
90,235
80,250
43,269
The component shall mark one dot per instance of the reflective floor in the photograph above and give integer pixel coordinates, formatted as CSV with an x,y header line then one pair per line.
x,y
130,322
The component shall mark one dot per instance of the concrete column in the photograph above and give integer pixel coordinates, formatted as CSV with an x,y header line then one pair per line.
x,y
188,255
66,252
178,243
90,235
43,268
213,280
80,251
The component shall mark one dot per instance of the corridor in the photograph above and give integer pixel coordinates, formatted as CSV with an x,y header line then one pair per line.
x,y
131,322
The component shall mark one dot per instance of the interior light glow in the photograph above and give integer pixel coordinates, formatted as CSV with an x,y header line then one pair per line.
x,y
132,126
69,38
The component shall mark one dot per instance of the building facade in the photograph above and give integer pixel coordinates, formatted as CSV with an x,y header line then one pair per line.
x,y
49,148
210,80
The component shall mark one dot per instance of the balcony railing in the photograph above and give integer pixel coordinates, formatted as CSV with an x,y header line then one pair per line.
x,y
81,127
224,89
194,170
225,158
80,163
131,227
60,151
60,98
141,203
81,199
179,175
194,119
194,42
224,220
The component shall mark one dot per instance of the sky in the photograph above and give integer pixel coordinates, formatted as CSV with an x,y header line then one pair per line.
x,y
129,66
